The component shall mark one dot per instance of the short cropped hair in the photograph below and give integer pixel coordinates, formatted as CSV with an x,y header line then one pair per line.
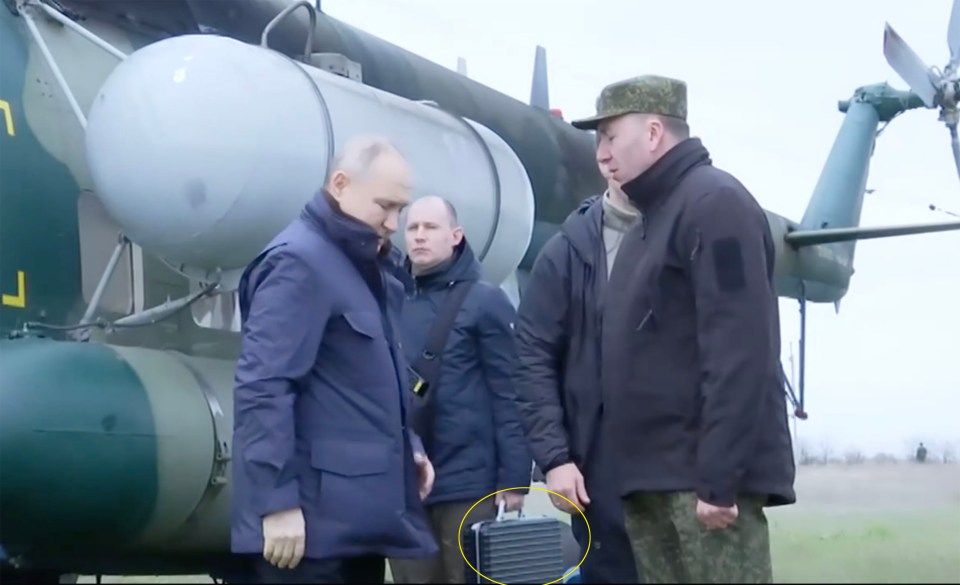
x,y
675,126
451,211
447,205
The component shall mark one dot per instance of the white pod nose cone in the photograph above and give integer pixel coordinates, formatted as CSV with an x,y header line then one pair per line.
x,y
202,148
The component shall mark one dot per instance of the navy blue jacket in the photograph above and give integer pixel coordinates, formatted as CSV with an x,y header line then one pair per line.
x,y
477,445
319,404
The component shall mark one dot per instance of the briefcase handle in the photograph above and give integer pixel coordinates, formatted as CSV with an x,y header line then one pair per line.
x,y
502,508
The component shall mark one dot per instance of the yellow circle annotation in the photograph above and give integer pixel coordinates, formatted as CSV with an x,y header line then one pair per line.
x,y
582,515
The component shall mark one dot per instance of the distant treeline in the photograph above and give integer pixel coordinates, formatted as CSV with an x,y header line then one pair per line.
x,y
822,454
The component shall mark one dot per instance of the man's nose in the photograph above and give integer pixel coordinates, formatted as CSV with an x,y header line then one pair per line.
x,y
603,154
392,221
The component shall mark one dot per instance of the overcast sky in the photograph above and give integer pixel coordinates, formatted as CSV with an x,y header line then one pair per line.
x,y
764,79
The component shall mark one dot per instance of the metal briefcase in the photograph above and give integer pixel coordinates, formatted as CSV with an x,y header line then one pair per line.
x,y
515,550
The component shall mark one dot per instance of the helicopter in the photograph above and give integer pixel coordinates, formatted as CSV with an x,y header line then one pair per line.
x,y
119,293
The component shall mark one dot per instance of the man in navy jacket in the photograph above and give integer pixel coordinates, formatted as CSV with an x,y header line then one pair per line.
x,y
327,479
476,440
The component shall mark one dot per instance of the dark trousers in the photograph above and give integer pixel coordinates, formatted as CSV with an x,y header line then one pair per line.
x,y
611,558
678,548
366,569
447,566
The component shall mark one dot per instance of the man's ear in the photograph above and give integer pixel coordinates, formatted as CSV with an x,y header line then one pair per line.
x,y
338,183
457,236
657,131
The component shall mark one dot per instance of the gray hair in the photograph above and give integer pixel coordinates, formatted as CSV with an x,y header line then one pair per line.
x,y
358,154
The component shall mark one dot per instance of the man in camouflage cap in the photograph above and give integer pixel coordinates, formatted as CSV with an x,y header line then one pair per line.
x,y
639,99
693,399
647,94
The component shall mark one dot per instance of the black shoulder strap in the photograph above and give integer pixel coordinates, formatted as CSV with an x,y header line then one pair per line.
x,y
428,364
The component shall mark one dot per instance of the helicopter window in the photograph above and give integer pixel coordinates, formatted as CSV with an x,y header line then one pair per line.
x,y
98,238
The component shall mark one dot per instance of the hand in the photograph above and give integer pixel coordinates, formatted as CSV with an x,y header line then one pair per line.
x,y
716,517
567,481
284,538
426,474
512,500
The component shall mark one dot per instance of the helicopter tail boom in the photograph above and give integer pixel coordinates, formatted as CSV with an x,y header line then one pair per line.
x,y
801,238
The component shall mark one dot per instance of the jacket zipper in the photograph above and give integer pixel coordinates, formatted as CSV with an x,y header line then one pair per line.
x,y
646,318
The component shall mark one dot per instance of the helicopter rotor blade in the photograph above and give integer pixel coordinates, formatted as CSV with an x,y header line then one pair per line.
x,y
909,66
953,37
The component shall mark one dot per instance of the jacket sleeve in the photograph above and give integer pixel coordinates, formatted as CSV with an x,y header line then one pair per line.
x,y
723,239
285,313
498,354
541,344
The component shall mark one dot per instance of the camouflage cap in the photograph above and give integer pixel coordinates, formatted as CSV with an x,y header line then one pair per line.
x,y
646,94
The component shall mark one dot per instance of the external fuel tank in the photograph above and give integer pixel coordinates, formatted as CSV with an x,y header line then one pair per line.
x,y
558,158
202,148
140,441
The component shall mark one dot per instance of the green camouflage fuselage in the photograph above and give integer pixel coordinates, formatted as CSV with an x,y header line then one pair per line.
x,y
112,455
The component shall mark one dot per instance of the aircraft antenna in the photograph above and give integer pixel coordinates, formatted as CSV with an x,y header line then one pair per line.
x,y
934,88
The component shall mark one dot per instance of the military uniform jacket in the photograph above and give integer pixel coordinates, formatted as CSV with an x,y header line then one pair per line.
x,y
691,340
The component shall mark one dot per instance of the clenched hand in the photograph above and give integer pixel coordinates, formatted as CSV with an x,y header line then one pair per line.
x,y
512,500
716,517
567,481
284,538
426,474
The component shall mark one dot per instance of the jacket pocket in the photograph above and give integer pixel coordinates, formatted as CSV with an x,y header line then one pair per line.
x,y
645,320
350,458
357,482
366,323
650,314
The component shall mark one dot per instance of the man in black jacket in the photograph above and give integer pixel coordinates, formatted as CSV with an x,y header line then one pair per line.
x,y
694,402
557,380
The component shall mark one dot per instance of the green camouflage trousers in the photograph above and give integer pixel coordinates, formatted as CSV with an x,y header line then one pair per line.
x,y
670,545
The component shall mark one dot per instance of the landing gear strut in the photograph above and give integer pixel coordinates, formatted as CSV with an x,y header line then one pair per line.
x,y
797,402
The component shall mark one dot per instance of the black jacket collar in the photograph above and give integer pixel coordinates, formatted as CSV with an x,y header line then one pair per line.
x,y
650,188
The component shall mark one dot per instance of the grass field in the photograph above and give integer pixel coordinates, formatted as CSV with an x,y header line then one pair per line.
x,y
870,523
867,523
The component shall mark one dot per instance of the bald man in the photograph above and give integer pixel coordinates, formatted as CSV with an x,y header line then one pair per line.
x,y
327,482
471,425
